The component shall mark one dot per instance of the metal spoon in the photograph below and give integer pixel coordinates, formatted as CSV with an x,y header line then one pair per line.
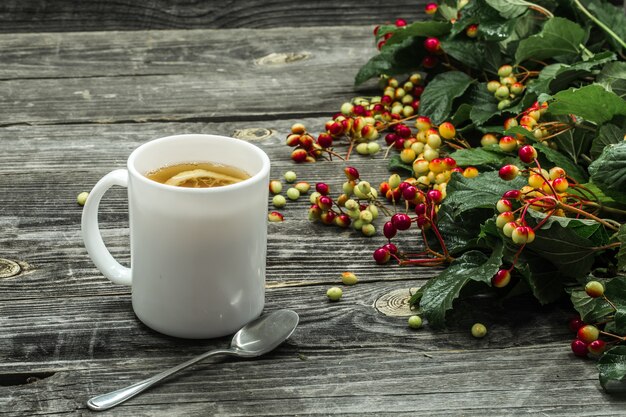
x,y
254,339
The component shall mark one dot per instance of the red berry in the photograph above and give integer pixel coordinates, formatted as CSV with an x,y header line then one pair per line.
x,y
351,173
423,222
588,333
420,209
508,172
596,347
403,131
435,196
417,92
306,141
579,348
512,194
471,31
343,220
389,230
325,140
527,154
322,188
393,249
325,202
400,23
401,221
328,217
382,256
299,155
431,8
409,193
432,45
501,279
449,163
376,30
293,140
380,44
390,138
429,61
575,323
358,110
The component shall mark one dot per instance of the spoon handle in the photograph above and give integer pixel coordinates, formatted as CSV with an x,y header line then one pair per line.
x,y
113,398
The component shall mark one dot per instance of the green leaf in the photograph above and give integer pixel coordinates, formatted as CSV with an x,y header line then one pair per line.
x,y
484,104
599,195
591,310
483,191
479,157
612,365
592,103
543,278
509,8
620,320
611,16
460,233
563,247
462,114
585,228
557,77
558,159
436,100
467,52
615,290
424,29
613,77
383,63
608,171
559,37
621,254
608,134
440,291
396,165
491,26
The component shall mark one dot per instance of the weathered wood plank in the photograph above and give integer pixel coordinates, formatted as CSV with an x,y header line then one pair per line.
x,y
67,15
220,83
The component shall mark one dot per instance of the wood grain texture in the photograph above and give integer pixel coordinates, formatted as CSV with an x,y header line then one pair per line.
x,y
67,334
67,15
173,76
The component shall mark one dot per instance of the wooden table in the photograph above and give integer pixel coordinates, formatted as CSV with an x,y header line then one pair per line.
x,y
74,105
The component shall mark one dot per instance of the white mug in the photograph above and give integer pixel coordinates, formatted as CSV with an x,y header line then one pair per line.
x,y
197,255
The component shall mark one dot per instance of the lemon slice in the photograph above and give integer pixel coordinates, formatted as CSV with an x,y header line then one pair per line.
x,y
201,178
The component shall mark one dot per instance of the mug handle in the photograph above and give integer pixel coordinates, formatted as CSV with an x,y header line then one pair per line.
x,y
98,252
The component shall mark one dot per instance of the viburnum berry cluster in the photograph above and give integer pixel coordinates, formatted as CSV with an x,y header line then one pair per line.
x,y
360,122
511,84
357,206
588,341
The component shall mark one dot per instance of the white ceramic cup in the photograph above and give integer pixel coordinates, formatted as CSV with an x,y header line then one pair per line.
x,y
197,255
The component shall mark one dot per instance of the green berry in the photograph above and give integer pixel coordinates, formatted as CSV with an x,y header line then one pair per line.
x,y
502,92
334,293
374,210
492,86
368,229
303,187
351,204
279,201
415,322
505,71
361,149
348,278
479,330
314,196
276,186
504,104
594,289
81,199
290,176
366,216
293,193
373,148
346,108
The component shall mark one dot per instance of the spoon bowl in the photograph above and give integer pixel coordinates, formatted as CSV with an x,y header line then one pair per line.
x,y
256,338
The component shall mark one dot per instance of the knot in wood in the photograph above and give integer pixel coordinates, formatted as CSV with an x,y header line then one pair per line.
x,y
282,58
396,303
9,268
253,133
